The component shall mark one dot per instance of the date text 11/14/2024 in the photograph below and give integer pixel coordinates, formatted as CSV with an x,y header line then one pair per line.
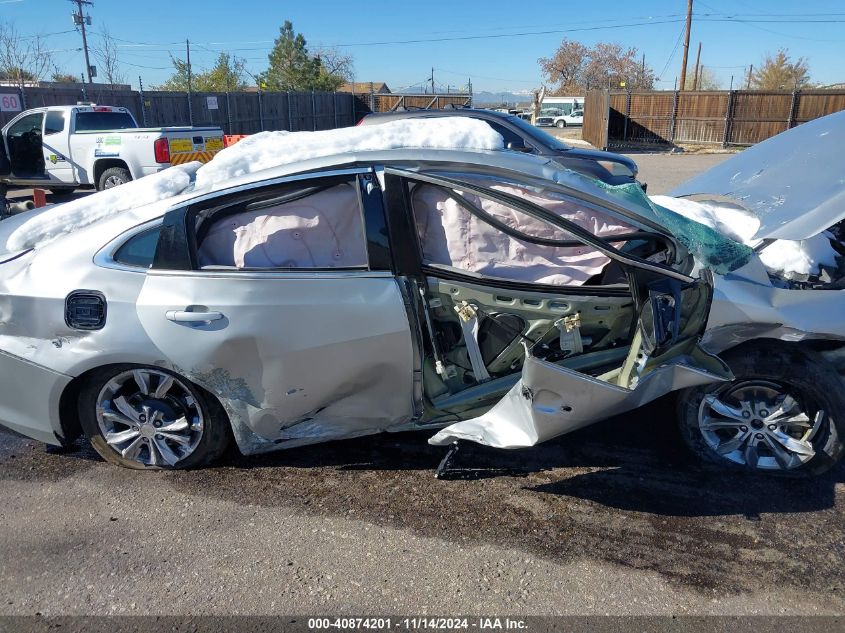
x,y
417,623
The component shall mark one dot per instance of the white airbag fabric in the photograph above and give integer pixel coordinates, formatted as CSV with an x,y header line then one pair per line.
x,y
452,236
324,230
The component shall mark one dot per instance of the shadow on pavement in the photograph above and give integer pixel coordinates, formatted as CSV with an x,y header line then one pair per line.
x,y
635,462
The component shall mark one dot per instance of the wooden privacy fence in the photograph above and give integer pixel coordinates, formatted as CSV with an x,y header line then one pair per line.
x,y
390,102
235,112
736,117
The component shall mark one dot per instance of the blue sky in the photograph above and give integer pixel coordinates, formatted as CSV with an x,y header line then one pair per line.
x,y
490,52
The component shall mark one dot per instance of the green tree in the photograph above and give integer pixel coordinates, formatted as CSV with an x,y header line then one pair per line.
x,y
291,67
178,81
227,75
781,73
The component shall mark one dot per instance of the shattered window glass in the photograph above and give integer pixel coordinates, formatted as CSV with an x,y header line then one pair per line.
x,y
715,251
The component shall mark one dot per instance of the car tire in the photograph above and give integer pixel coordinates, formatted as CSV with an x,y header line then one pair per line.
x,y
113,177
724,424
143,418
561,124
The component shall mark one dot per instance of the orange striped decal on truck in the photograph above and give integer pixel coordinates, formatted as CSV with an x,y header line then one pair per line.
x,y
187,157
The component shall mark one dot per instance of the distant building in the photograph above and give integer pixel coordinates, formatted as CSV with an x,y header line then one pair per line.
x,y
361,87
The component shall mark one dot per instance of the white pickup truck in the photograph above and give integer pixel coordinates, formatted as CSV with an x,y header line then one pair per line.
x,y
61,148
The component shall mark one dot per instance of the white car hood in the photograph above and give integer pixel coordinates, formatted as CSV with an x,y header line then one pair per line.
x,y
793,182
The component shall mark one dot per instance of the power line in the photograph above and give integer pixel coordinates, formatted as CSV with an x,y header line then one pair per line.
x,y
672,54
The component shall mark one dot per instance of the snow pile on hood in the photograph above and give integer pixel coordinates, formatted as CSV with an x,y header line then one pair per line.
x,y
68,217
271,149
792,258
730,221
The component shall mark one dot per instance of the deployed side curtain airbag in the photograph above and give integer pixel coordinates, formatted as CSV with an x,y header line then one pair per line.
x,y
324,230
451,236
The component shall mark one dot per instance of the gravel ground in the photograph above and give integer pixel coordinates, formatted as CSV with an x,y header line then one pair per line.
x,y
612,519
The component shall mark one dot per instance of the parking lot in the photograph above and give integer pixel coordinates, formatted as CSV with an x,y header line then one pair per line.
x,y
611,519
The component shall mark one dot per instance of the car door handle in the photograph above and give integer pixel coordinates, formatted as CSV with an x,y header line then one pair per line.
x,y
184,316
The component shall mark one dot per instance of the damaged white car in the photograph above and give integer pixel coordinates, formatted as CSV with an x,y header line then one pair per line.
x,y
322,285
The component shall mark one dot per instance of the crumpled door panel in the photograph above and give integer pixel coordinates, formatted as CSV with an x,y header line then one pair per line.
x,y
551,400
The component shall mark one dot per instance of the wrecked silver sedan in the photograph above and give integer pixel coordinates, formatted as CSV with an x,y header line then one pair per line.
x,y
289,293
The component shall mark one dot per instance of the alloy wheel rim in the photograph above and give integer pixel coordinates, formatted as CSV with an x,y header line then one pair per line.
x,y
760,424
150,417
113,181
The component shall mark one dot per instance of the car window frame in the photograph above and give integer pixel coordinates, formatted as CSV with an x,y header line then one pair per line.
x,y
105,257
577,232
23,117
61,115
177,249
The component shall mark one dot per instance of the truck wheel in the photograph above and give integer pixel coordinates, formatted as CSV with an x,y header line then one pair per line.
x,y
781,415
112,177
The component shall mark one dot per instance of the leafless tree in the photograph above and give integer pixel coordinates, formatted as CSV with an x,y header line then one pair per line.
x,y
574,68
336,63
106,53
23,58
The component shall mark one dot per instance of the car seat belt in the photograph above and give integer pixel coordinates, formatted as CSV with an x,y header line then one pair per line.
x,y
468,316
570,334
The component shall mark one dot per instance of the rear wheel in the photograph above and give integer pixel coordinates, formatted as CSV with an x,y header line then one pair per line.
x,y
113,177
781,415
146,417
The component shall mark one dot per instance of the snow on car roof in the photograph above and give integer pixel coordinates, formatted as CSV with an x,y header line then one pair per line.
x,y
256,153
65,218
272,149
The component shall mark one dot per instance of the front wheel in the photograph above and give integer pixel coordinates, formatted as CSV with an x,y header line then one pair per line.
x,y
782,414
146,417
113,177
561,124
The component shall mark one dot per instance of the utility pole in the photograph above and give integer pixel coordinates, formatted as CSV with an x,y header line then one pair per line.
x,y
79,19
432,80
188,62
686,46
748,83
642,74
697,60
